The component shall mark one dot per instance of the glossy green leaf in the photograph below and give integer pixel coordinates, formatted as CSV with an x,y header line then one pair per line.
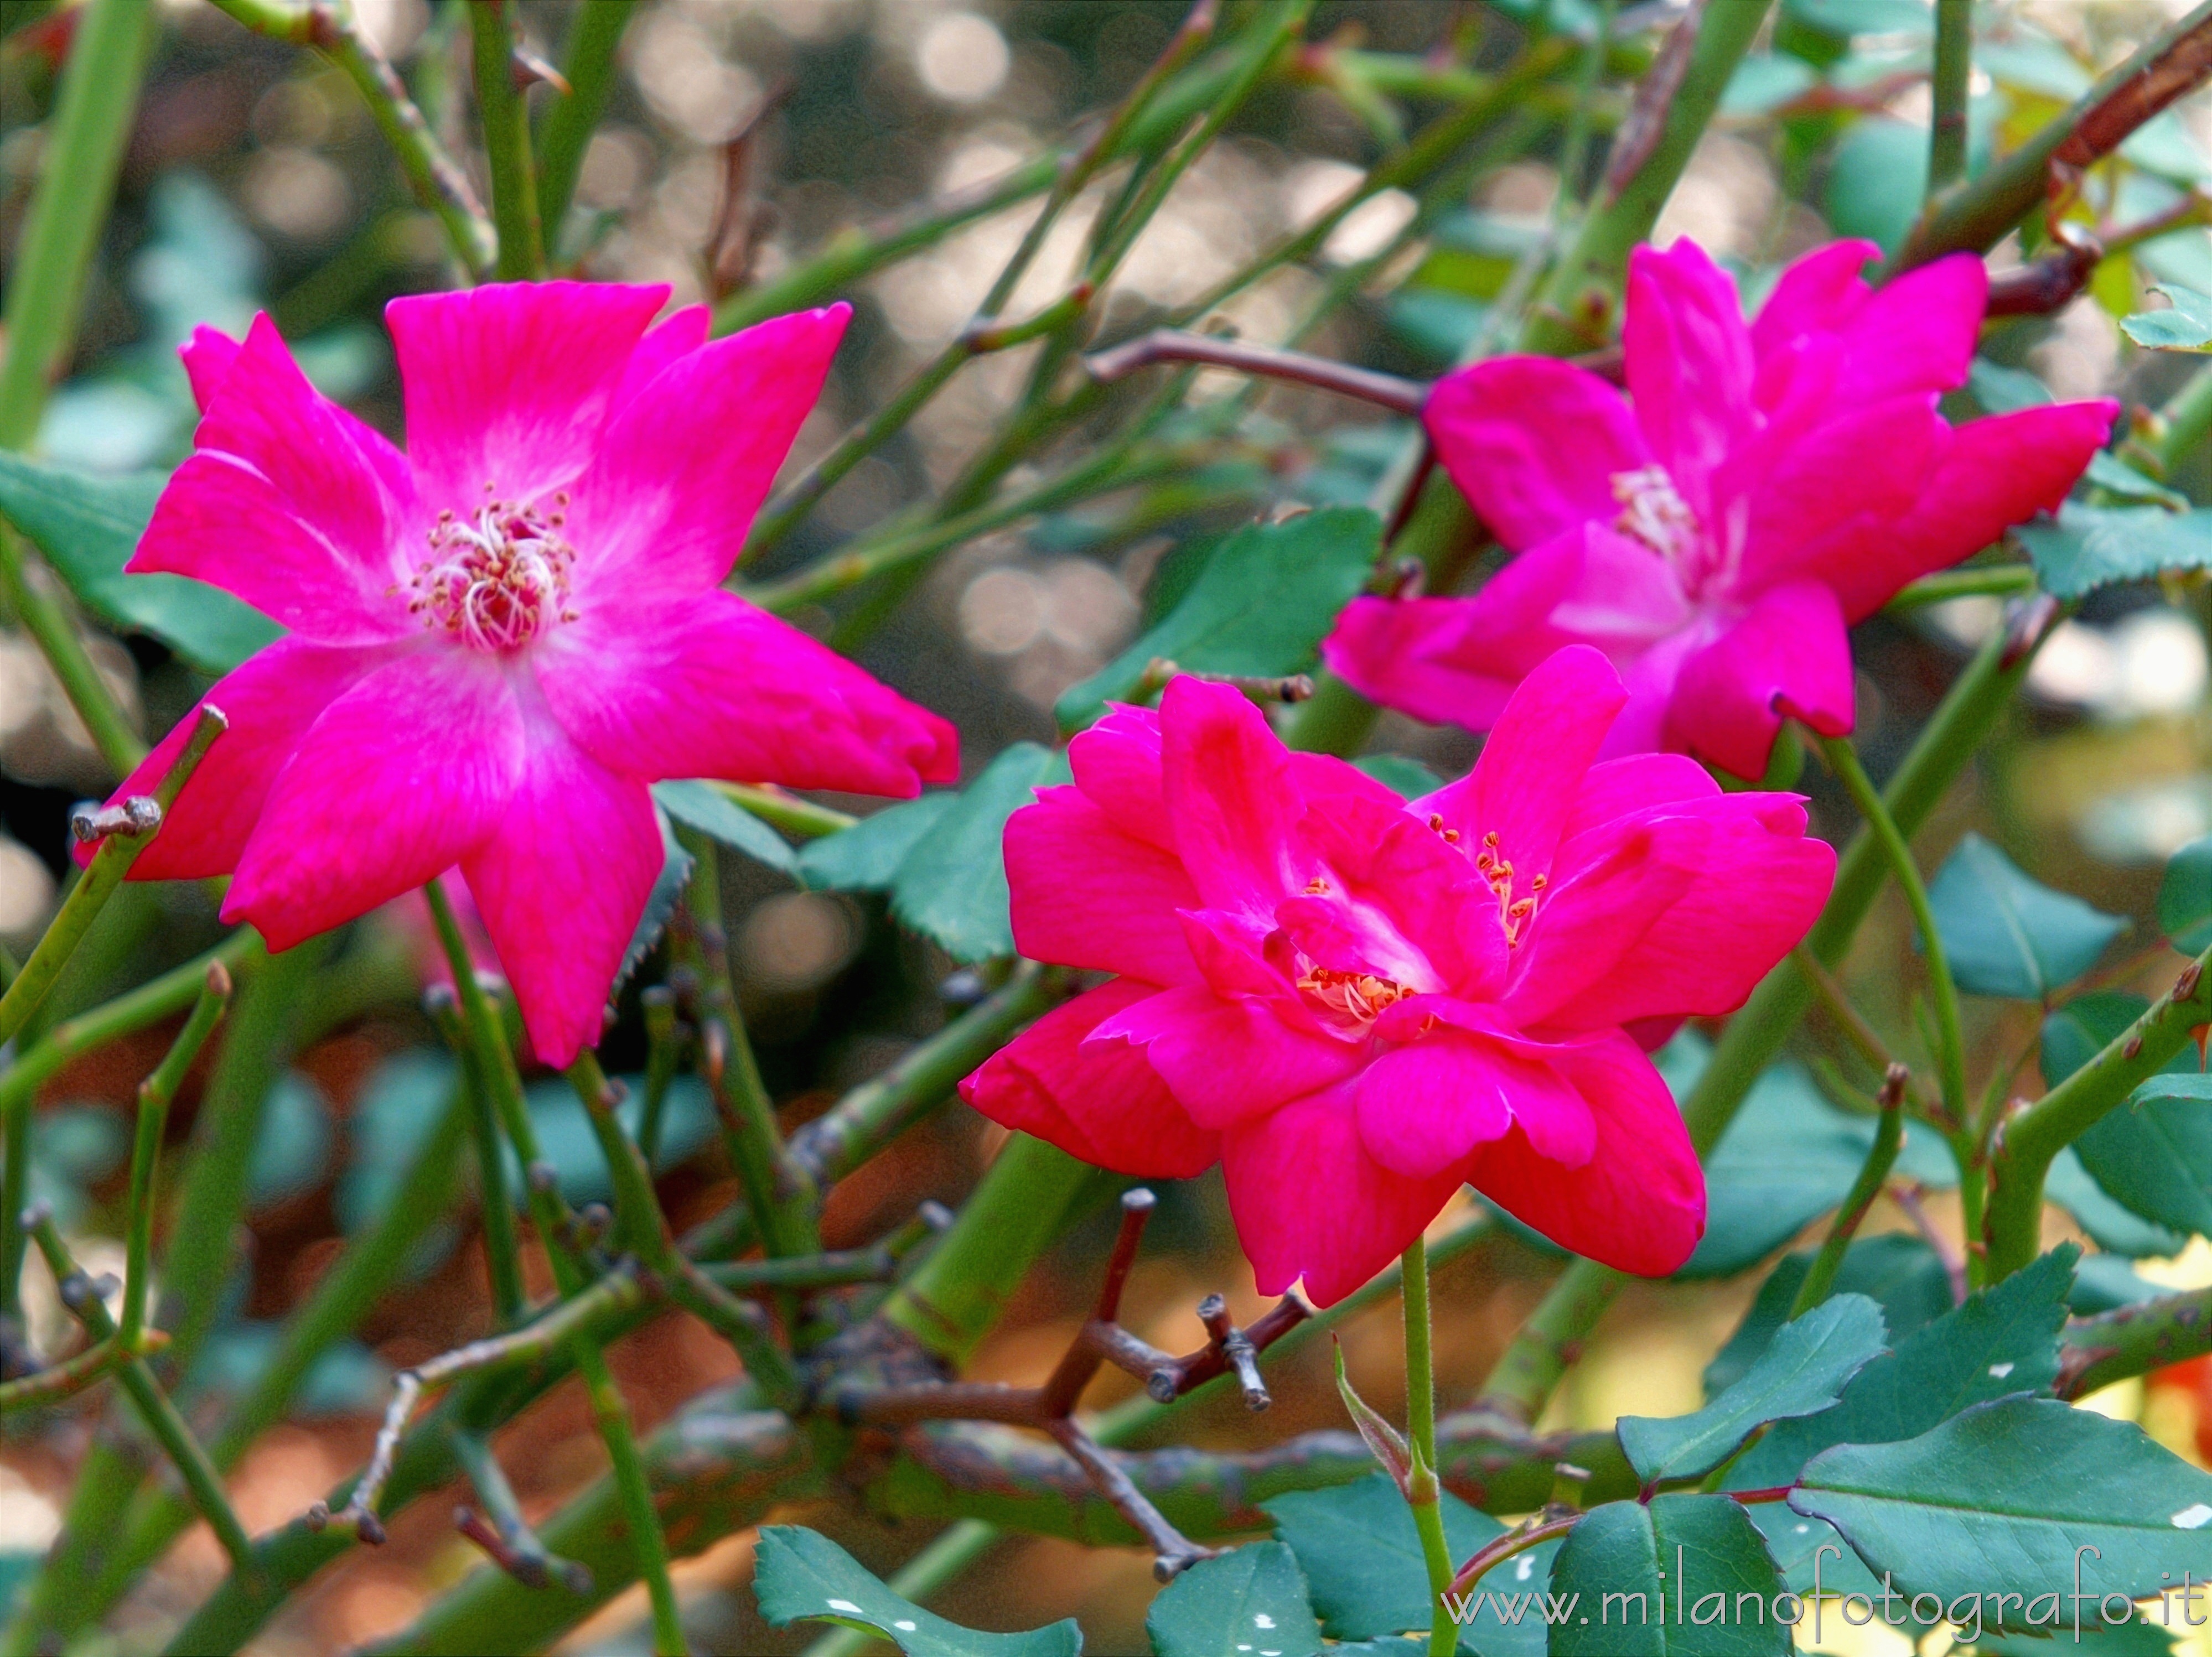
x,y
866,858
800,1575
1686,1575
2000,390
2085,547
2006,934
87,525
676,865
1876,178
2111,1226
1262,604
2000,1498
2003,1340
2184,897
1362,1556
1800,1372
700,805
1897,1271
2153,1154
2186,326
2115,477
1250,1602
952,887
1400,774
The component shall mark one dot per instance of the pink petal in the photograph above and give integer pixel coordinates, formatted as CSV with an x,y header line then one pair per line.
x,y
1401,902
1597,911
665,507
1789,654
1310,1202
1869,462
1227,1061
1756,885
1097,1100
1413,654
562,883
1087,895
1421,1109
1230,798
271,699
1616,788
509,383
284,503
401,778
1916,333
1638,1204
1117,763
1818,294
1533,443
682,333
1991,475
1649,680
1530,770
208,356
707,686
1689,362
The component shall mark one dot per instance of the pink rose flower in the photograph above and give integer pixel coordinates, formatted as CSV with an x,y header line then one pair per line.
x,y
1761,488
500,638
1355,1004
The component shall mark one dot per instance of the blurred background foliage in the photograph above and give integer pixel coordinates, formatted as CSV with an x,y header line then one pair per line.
x,y
745,136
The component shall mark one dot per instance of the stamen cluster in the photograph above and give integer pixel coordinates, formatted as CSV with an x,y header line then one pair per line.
x,y
496,578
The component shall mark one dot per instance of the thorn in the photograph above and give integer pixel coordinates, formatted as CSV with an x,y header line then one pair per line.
x,y
2185,986
529,68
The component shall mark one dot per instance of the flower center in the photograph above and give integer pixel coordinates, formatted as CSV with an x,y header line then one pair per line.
x,y
1354,999
1652,512
495,579
1513,913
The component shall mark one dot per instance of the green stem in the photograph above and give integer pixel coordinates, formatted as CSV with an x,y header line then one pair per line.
x,y
2188,418
57,1381
438,182
1422,1493
506,118
1951,1055
2024,1146
2133,1340
1888,1135
786,811
664,1052
587,64
154,1094
648,1545
495,1208
1995,580
163,1420
134,830
84,152
1953,71
45,616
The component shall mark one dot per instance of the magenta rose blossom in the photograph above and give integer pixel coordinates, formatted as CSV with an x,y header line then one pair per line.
x,y
1761,488
1356,1003
500,638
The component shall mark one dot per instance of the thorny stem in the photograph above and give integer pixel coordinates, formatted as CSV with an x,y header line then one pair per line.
x,y
1403,396
81,1297
588,63
506,118
154,1094
438,182
1951,1053
2133,1340
126,830
1889,1134
509,1541
1422,1491
45,616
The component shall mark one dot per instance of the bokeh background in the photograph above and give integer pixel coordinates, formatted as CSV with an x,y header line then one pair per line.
x,y
743,135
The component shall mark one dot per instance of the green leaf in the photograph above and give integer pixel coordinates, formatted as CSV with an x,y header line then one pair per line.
x,y
2154,1156
1362,1555
1801,1370
1247,1603
2104,1282
292,1147
866,858
1787,1158
676,866
2085,548
1383,1442
1999,1499
1876,178
800,1574
1896,1271
2186,327
2006,934
2111,1227
1764,81
952,887
87,525
700,805
2184,897
2003,1340
1400,774
1637,1580
2115,477
2000,390
1261,606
